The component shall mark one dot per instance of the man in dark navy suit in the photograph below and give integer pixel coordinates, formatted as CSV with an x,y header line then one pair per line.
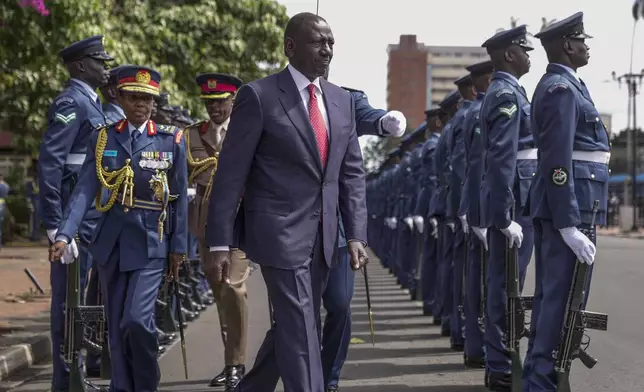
x,y
295,160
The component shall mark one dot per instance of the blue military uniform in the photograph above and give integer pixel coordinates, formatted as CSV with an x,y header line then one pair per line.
x,y
509,158
144,220
457,163
113,112
72,117
438,211
336,299
573,173
469,207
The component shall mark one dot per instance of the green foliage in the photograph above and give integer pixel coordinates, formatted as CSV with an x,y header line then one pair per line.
x,y
178,38
374,154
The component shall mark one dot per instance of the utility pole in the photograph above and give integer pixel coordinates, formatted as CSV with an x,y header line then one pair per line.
x,y
633,82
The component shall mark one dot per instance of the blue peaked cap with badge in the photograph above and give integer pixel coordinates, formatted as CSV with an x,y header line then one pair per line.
x,y
482,68
450,100
433,112
89,47
506,38
114,74
465,80
572,27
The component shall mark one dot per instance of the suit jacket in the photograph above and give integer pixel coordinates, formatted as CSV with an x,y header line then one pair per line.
x,y
270,157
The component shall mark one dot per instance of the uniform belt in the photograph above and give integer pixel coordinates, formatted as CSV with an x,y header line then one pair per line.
x,y
592,156
144,204
530,153
75,159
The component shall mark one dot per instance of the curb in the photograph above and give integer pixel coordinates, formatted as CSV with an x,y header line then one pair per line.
x,y
16,358
622,235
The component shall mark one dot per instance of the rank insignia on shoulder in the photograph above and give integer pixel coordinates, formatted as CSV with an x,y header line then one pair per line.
x,y
509,111
557,86
559,176
504,92
64,99
65,119
178,137
169,129
477,131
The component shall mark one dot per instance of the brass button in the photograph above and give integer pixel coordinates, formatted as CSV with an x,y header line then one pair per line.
x,y
592,176
533,174
596,118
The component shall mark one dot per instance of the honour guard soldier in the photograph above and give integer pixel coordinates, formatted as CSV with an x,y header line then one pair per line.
x,y
510,161
73,115
143,228
437,213
468,213
203,143
113,112
336,299
458,165
573,173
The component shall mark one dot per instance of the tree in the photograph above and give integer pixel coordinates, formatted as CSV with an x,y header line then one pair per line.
x,y
374,154
180,38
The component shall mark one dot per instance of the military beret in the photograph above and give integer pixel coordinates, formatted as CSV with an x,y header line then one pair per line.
x,y
571,27
138,79
217,85
482,68
506,38
89,47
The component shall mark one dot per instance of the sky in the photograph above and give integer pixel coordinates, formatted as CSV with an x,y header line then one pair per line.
x,y
364,28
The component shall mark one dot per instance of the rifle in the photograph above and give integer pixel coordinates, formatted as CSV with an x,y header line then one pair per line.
x,y
482,305
515,314
577,320
77,317
419,266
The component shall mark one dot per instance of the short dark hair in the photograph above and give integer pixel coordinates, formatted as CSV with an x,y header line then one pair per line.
x,y
297,22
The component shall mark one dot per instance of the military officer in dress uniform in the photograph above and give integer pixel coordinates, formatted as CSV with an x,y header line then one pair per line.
x,y
458,165
203,143
336,298
468,213
143,229
509,158
111,108
437,211
72,117
573,173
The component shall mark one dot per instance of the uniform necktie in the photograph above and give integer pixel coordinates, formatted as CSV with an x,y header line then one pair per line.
x,y
319,127
135,135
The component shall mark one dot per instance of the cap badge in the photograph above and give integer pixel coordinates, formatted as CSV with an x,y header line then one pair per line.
x,y
212,83
143,77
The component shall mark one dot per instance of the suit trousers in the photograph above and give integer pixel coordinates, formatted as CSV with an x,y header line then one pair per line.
x,y
291,348
336,333
232,305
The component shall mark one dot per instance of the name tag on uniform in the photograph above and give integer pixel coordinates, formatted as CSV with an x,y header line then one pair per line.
x,y
155,160
110,153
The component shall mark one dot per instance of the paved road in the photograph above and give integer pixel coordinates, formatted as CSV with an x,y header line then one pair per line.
x,y
410,356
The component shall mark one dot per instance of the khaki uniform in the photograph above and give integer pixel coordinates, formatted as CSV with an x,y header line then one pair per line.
x,y
205,139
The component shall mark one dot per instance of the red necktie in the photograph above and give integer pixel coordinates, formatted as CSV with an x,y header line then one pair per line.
x,y
319,127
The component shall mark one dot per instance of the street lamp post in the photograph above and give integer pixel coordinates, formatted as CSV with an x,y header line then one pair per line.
x,y
633,81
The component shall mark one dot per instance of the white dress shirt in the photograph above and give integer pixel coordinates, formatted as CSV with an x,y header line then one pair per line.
x,y
302,83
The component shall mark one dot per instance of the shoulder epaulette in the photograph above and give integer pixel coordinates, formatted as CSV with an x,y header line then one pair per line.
x,y
64,99
505,91
198,124
167,129
557,86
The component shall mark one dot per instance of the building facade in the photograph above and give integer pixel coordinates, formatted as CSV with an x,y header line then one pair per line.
x,y
420,76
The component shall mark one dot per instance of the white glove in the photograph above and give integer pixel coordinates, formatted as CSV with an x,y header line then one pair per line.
x,y
481,234
514,232
394,123
451,226
409,222
71,251
192,192
580,245
394,223
464,223
420,223
434,223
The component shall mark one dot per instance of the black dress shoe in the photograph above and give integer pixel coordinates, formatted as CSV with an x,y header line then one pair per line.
x,y
234,374
499,382
474,362
93,373
437,321
219,380
161,350
445,331
460,347
332,388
